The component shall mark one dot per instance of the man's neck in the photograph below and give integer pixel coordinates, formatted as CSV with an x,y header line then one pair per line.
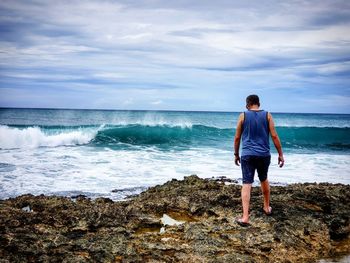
x,y
254,108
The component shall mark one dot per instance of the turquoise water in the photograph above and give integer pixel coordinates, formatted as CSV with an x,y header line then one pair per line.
x,y
94,151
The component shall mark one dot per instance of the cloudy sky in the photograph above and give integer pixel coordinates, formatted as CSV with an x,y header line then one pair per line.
x,y
175,55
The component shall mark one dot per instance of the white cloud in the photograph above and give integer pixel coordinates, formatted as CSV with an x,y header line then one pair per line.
x,y
129,101
109,75
198,50
329,101
156,102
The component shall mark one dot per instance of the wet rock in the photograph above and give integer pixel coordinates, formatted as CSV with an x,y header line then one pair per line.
x,y
309,222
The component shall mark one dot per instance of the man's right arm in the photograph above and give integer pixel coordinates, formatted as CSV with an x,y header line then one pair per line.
x,y
276,140
237,139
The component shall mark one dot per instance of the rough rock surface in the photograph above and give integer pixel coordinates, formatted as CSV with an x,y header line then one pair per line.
x,y
309,222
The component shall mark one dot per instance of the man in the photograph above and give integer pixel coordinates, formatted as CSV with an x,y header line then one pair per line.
x,y
254,126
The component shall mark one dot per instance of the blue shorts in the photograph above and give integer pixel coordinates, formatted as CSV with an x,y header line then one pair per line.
x,y
250,163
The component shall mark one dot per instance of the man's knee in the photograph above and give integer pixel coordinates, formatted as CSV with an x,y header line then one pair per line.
x,y
263,180
262,177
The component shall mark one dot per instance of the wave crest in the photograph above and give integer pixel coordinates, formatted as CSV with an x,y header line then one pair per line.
x,y
33,137
159,134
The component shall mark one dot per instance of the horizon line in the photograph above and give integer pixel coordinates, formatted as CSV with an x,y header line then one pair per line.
x,y
209,111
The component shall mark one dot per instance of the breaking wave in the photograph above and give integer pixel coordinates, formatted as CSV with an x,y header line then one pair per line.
x,y
139,134
33,137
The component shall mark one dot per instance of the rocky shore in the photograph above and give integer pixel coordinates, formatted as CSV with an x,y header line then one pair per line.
x,y
181,221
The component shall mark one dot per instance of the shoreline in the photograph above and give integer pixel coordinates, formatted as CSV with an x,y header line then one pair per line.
x,y
310,223
73,195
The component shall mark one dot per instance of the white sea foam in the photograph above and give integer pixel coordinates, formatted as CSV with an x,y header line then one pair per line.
x,y
179,123
96,172
33,137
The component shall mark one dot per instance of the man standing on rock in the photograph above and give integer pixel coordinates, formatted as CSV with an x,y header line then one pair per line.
x,y
254,127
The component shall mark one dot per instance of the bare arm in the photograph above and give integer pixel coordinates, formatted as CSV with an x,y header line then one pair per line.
x,y
276,140
237,140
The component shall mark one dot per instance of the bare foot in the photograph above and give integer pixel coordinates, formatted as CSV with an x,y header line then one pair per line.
x,y
268,211
241,222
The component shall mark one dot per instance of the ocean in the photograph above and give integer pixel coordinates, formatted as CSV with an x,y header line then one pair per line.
x,y
119,153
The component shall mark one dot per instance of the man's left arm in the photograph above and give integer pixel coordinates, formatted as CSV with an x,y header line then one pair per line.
x,y
237,140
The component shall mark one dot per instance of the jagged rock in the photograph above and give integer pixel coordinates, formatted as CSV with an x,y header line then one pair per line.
x,y
310,221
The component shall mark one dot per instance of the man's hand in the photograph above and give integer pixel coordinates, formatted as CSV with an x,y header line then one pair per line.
x,y
280,161
237,160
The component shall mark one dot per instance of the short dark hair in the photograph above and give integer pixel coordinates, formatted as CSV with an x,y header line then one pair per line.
x,y
253,100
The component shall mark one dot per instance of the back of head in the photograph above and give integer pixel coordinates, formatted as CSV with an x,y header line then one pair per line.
x,y
252,100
